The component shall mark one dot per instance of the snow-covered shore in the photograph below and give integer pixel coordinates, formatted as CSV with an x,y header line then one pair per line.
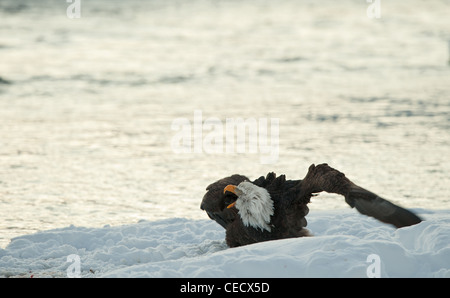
x,y
346,244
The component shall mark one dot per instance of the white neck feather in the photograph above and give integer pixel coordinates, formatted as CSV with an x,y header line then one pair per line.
x,y
255,205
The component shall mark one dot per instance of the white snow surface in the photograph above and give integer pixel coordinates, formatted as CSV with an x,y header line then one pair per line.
x,y
343,245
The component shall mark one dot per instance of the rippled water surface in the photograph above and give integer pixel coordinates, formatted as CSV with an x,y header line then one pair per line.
x,y
87,105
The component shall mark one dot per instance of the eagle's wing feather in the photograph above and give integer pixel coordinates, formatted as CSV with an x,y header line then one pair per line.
x,y
324,178
368,203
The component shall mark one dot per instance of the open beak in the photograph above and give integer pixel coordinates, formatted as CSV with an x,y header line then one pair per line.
x,y
230,188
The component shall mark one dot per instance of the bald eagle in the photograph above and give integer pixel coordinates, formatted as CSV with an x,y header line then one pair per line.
x,y
272,207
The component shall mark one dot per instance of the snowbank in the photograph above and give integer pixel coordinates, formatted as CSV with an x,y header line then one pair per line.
x,y
346,244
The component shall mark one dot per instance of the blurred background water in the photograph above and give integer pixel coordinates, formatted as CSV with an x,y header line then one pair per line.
x,y
86,104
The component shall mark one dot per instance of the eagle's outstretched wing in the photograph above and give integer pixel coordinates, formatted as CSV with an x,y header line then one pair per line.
x,y
368,203
324,178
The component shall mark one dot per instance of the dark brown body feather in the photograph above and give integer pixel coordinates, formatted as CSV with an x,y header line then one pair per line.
x,y
290,199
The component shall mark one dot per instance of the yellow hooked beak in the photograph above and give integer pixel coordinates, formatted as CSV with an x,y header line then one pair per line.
x,y
230,188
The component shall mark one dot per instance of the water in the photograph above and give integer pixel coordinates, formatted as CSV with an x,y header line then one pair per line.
x,y
86,105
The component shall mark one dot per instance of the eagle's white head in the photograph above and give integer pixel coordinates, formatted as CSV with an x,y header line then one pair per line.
x,y
254,204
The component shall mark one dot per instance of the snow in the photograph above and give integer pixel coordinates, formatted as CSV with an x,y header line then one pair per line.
x,y
345,244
